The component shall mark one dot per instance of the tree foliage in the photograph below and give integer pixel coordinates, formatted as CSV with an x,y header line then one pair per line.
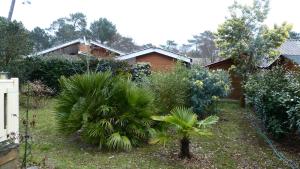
x,y
294,35
40,38
103,30
14,41
205,46
245,38
170,45
69,28
125,44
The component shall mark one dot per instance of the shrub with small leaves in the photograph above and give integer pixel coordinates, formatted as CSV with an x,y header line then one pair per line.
x,y
207,87
115,67
275,96
140,71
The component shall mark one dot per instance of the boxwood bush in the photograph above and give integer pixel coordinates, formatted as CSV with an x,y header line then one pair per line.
x,y
275,97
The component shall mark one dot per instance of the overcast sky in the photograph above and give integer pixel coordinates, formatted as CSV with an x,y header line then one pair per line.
x,y
147,21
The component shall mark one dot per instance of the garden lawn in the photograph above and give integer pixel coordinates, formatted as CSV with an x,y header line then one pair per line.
x,y
234,145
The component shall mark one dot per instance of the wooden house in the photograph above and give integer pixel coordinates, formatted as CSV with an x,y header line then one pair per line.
x,y
289,58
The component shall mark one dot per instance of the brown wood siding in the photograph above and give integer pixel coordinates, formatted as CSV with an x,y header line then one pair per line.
x,y
236,92
157,61
286,63
68,50
100,53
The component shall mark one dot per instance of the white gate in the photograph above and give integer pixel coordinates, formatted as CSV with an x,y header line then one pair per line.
x,y
9,109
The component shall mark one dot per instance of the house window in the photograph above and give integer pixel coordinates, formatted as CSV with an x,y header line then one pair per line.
x,y
5,110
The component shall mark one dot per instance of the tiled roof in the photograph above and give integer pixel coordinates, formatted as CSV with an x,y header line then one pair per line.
x,y
290,47
157,50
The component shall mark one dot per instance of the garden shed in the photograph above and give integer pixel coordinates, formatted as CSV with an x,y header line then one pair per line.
x,y
236,92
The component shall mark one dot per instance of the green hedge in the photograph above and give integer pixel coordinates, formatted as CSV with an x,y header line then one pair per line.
x,y
275,96
50,68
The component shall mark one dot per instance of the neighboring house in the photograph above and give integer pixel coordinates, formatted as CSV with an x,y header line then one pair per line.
x,y
289,58
81,46
159,59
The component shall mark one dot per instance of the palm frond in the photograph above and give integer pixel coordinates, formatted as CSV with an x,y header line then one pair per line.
x,y
159,137
118,142
208,121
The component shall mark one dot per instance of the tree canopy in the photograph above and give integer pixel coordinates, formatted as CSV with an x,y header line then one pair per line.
x,y
40,38
245,37
69,28
103,29
14,41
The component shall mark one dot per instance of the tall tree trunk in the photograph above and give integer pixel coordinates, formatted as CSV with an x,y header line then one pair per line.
x,y
11,10
185,148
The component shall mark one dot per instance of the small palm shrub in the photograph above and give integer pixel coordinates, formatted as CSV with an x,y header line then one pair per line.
x,y
171,88
109,111
207,87
185,124
275,96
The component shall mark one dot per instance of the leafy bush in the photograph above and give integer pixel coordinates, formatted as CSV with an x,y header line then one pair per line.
x,y
207,87
140,71
48,69
171,88
36,92
51,69
275,96
21,68
109,111
116,67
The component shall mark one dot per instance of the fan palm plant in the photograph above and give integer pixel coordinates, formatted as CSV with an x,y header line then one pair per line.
x,y
185,124
109,111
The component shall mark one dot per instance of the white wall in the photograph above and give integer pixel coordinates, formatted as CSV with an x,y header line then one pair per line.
x,y
10,88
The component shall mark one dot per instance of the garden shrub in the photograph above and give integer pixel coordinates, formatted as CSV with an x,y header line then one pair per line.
x,y
51,69
21,68
36,93
46,69
207,87
115,67
109,111
171,88
140,71
275,97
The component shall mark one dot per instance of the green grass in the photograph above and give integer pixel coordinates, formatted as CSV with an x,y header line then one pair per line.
x,y
234,145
